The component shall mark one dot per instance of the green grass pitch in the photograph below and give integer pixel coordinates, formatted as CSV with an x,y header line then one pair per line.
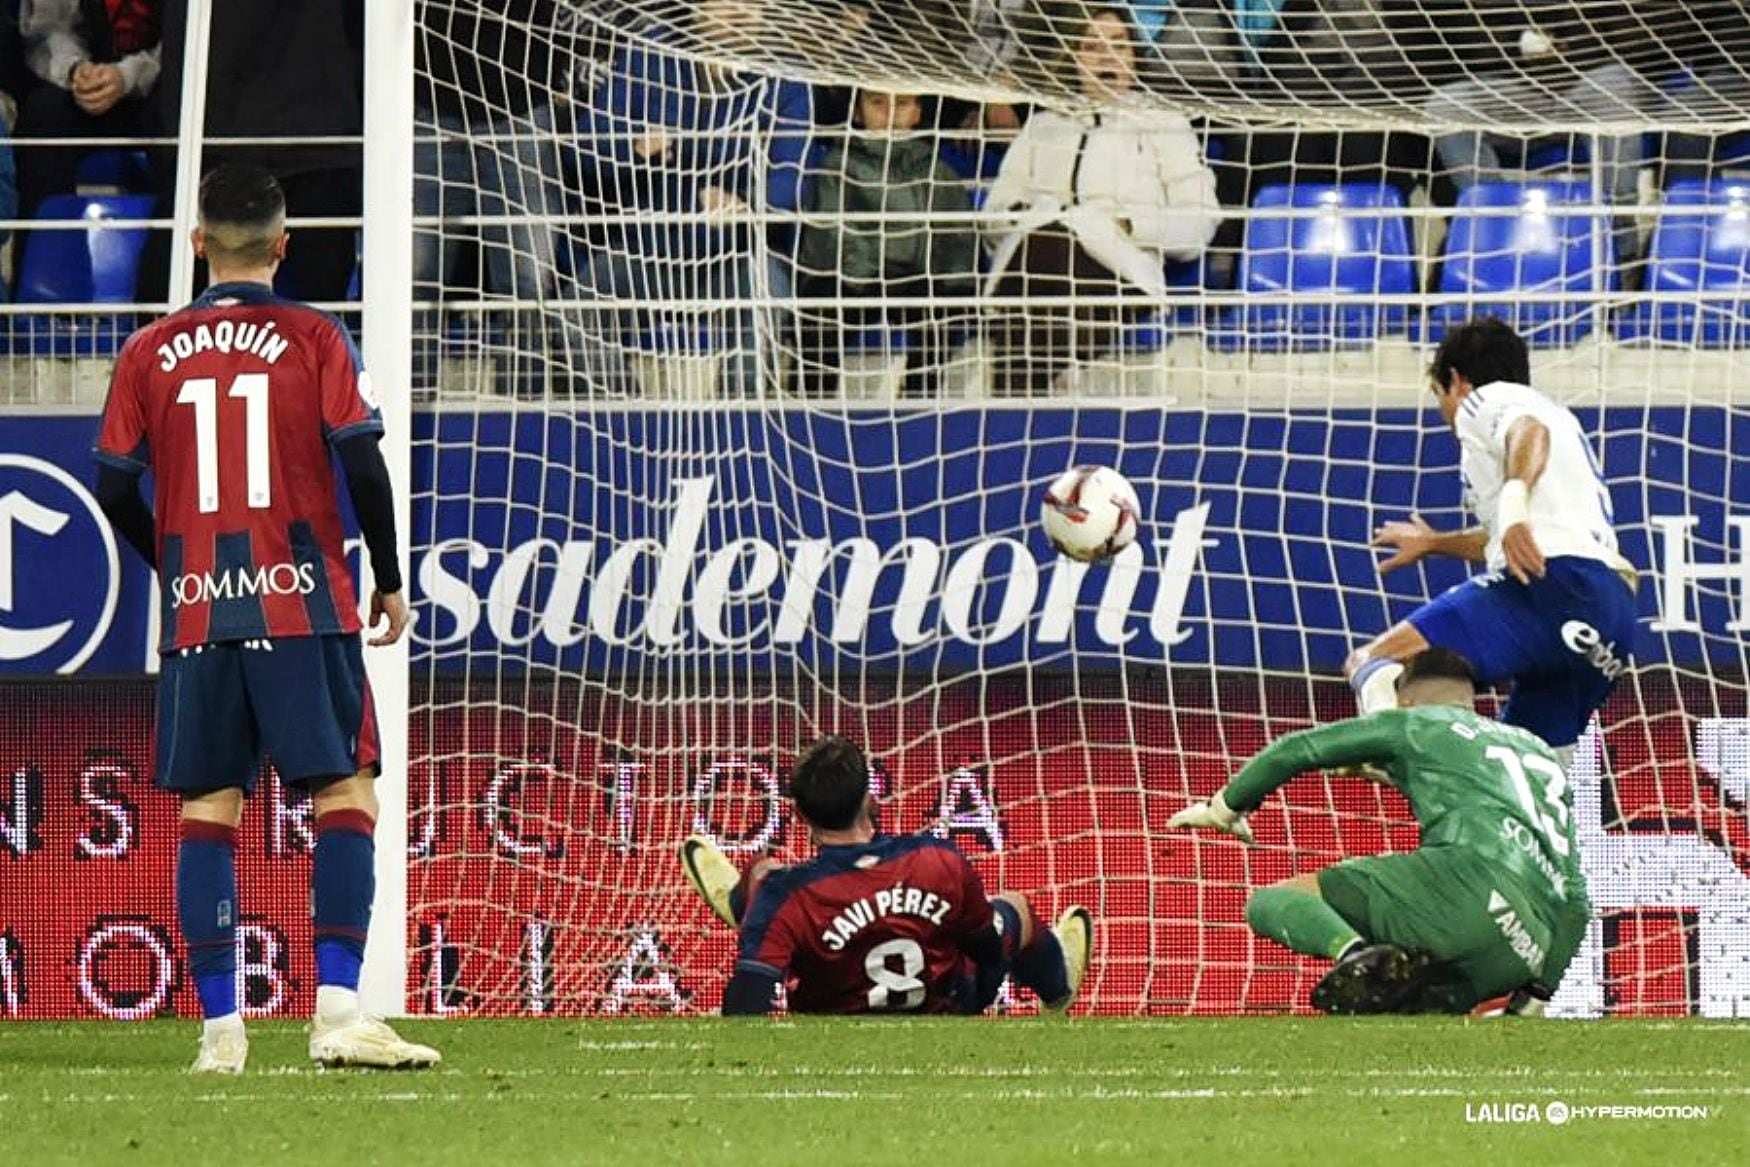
x,y
964,1091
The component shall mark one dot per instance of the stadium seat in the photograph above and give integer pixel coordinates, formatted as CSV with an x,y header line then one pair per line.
x,y
122,169
1733,152
1701,246
1327,249
99,265
1511,238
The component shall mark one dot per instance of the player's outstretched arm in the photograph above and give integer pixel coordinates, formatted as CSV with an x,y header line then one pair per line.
x,y
373,501
1373,740
1413,540
1215,814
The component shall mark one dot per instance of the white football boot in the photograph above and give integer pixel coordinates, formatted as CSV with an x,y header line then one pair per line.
x,y
224,1051
367,1043
1075,933
712,875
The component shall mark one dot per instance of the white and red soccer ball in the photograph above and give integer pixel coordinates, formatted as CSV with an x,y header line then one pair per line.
x,y
1091,513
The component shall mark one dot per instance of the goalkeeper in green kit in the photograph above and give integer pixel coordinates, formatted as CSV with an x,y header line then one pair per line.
x,y
1485,915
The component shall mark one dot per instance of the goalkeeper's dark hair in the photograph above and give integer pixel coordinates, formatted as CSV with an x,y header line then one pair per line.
x,y
830,784
1481,350
1437,664
242,213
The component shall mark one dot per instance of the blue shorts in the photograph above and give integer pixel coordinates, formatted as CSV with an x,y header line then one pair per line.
x,y
301,701
1562,640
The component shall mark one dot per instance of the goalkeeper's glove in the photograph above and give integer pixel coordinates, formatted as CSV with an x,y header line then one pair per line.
x,y
1215,813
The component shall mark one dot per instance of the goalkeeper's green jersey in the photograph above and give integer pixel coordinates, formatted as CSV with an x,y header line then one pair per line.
x,y
1495,790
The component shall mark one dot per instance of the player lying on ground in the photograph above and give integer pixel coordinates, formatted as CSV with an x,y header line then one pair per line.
x,y
1492,903
1555,612
877,923
235,403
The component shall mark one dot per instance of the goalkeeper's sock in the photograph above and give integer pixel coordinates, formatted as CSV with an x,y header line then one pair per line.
x,y
1376,684
342,881
1301,921
206,906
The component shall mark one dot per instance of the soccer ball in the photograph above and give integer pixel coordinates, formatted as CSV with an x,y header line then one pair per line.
x,y
1090,513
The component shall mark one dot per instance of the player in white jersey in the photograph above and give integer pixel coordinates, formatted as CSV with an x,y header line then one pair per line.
x,y
1555,612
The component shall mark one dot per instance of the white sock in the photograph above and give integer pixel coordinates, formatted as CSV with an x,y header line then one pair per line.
x,y
212,1027
1377,686
335,1004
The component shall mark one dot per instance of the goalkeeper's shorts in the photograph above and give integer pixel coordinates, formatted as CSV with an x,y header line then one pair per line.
x,y
1460,907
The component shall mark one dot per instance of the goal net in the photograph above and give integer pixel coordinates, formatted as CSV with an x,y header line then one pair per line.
x,y
749,332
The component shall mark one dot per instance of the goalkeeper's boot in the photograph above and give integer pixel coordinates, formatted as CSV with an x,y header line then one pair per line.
x,y
368,1043
1374,978
1075,934
712,875
223,1051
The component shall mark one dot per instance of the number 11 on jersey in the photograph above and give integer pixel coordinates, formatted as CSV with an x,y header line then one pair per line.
x,y
202,393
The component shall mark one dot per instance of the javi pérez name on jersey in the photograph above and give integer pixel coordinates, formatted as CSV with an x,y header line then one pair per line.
x,y
898,900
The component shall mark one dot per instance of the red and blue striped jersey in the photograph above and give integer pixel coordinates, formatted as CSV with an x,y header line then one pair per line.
x,y
878,927
232,404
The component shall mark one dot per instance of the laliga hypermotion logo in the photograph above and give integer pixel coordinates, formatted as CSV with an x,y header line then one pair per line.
x,y
56,603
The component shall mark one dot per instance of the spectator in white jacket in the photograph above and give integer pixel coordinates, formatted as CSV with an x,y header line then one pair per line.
x,y
1091,206
96,64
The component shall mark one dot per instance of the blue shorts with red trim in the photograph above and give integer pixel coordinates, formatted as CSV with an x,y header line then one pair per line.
x,y
302,701
1563,640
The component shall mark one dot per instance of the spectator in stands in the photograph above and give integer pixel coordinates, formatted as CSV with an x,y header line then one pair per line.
x,y
1569,62
487,146
96,64
1709,45
287,71
1092,206
883,167
693,154
1323,54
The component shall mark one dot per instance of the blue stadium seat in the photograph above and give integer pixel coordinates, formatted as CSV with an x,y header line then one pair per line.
x,y
126,169
1527,244
99,265
1700,246
1327,249
1733,152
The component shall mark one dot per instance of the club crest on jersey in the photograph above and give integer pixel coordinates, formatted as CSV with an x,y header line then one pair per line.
x,y
1582,638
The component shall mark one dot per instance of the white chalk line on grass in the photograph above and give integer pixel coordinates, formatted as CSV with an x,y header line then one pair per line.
x,y
840,1070
1007,1094
1497,1075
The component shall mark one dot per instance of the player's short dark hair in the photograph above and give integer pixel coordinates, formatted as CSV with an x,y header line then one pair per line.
x,y
242,212
830,783
1437,664
1482,349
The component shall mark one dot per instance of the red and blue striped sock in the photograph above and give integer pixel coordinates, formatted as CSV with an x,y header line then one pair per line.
x,y
206,905
342,882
